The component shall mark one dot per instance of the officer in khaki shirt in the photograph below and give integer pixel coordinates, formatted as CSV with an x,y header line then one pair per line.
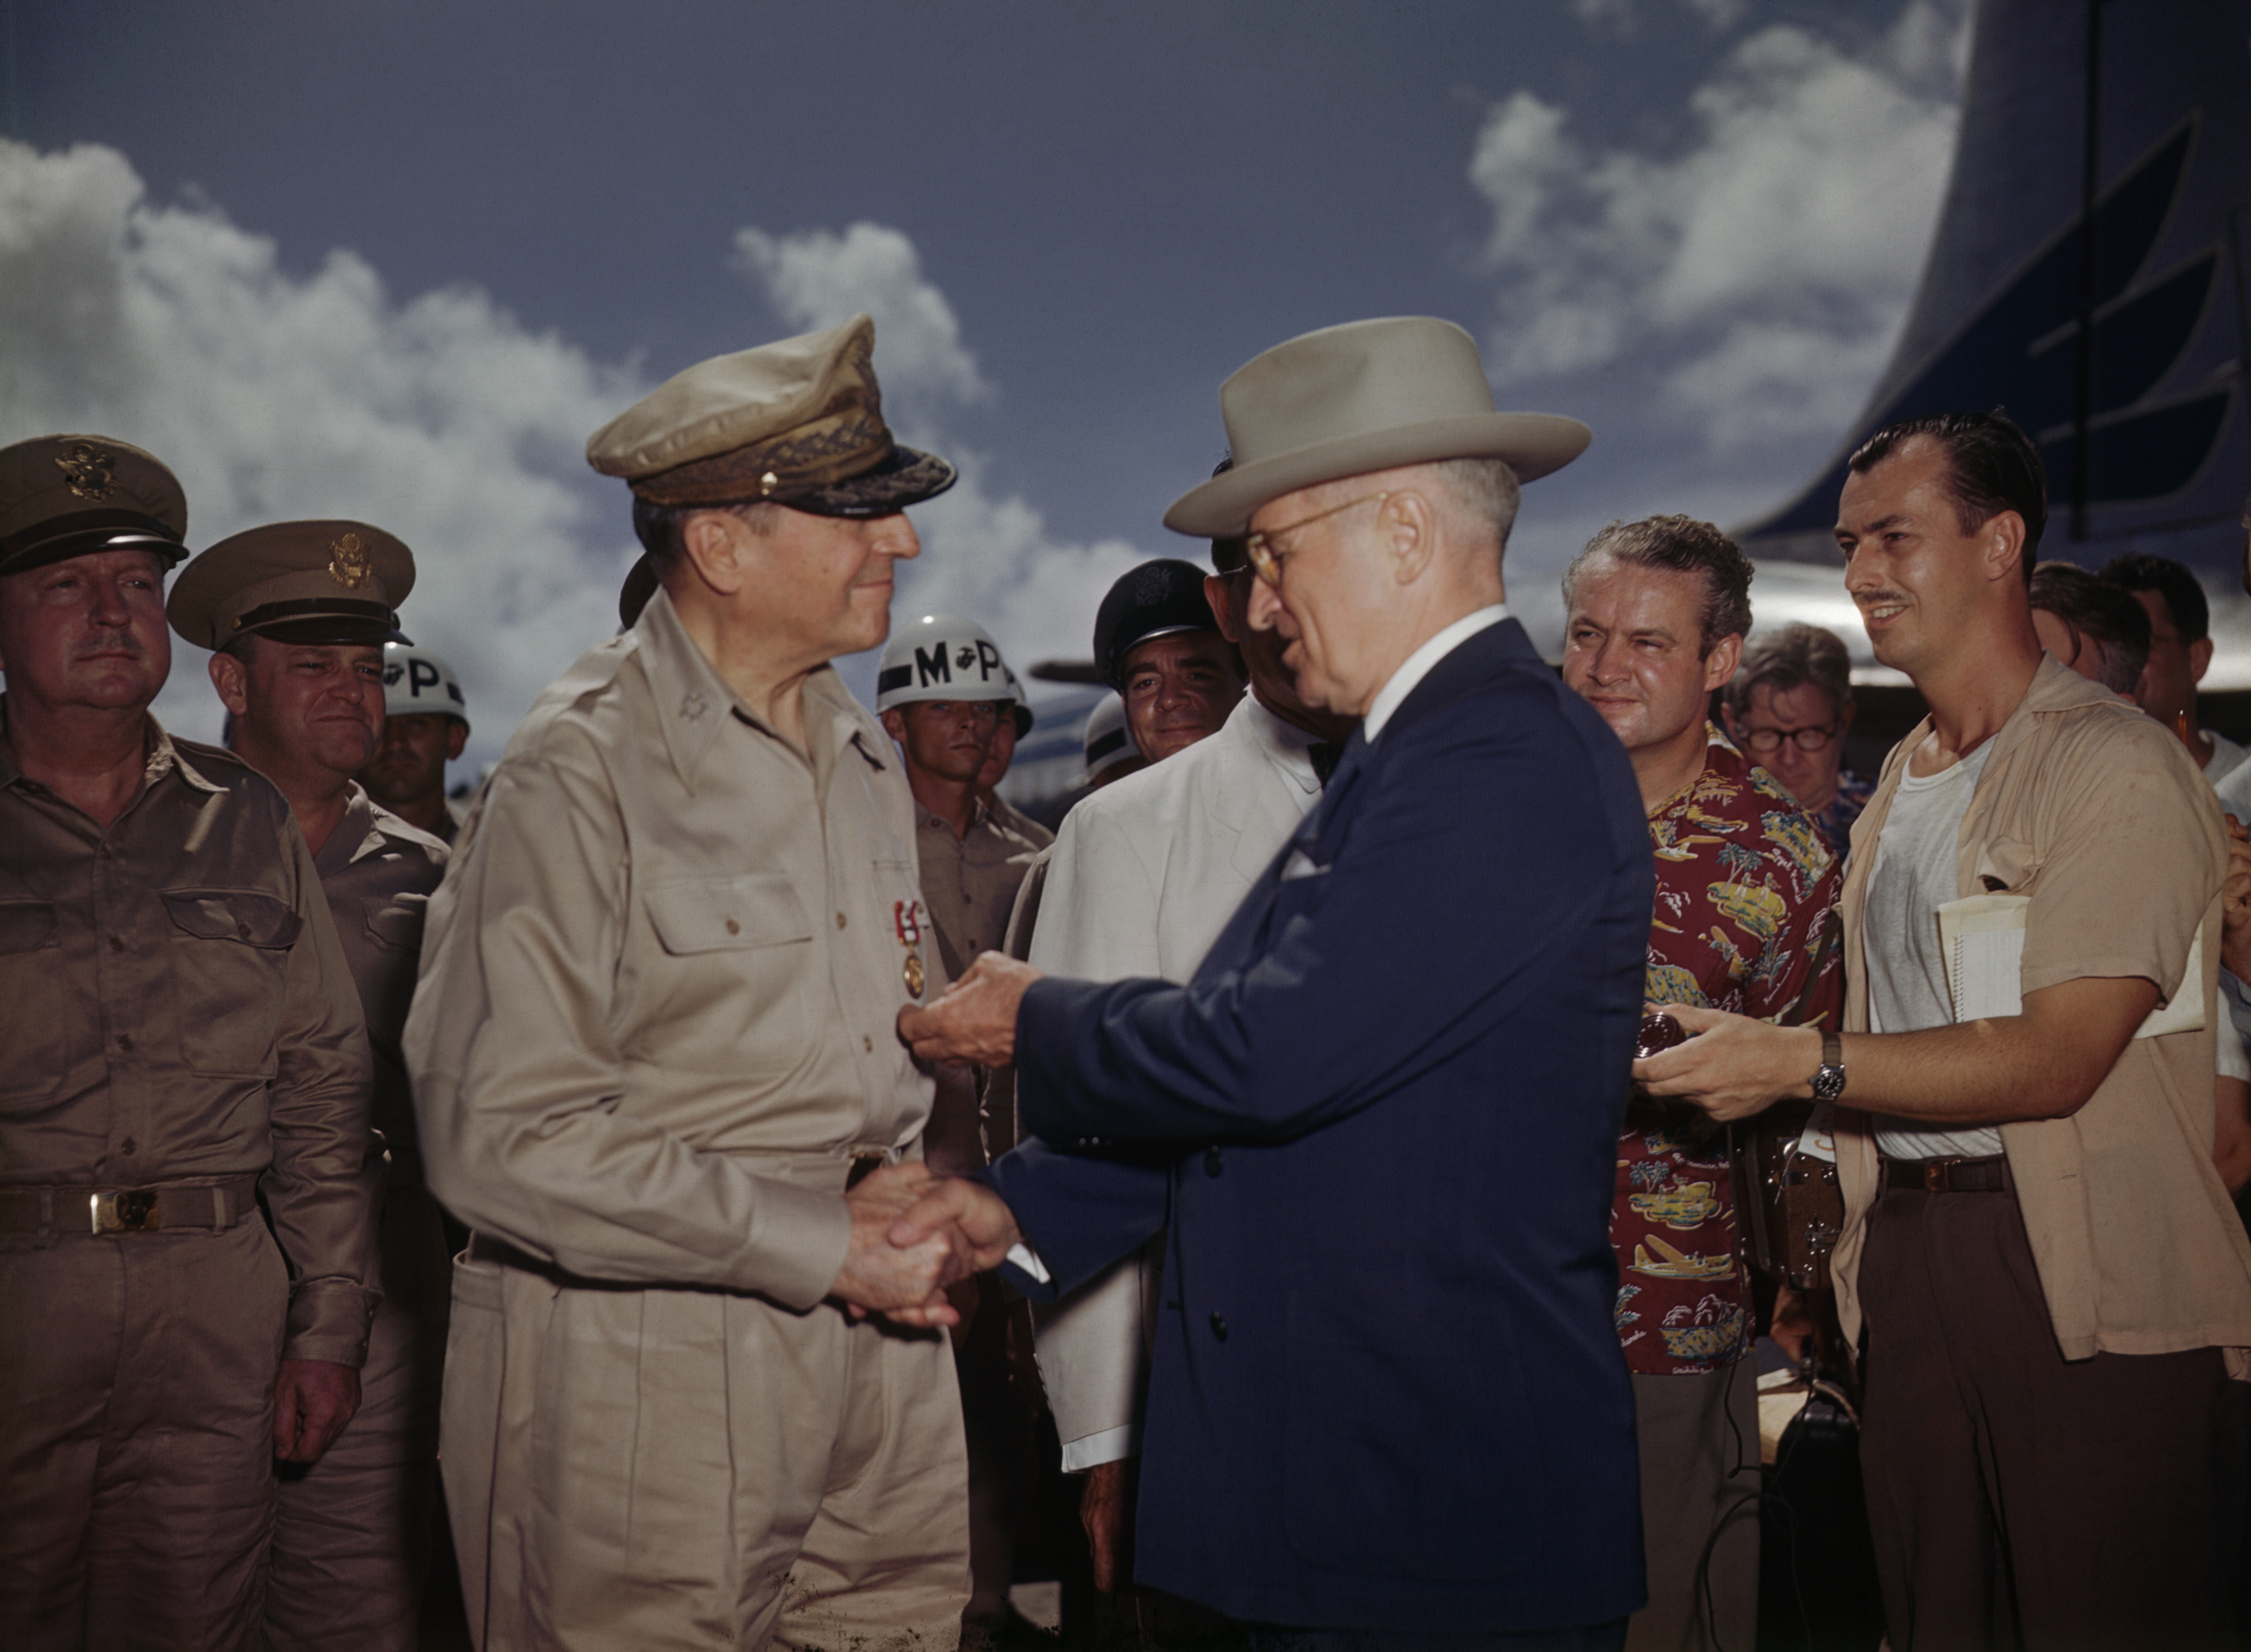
x,y
183,1040
305,691
654,1059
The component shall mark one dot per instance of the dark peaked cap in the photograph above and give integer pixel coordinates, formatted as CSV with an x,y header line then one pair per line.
x,y
300,581
63,497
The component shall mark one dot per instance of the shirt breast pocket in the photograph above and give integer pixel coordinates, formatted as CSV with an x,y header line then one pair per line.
x,y
737,992
231,965
32,1001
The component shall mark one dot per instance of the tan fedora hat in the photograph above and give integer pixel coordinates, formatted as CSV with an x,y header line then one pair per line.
x,y
1404,390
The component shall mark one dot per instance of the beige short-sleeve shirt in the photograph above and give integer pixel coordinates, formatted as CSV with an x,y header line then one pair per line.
x,y
2099,817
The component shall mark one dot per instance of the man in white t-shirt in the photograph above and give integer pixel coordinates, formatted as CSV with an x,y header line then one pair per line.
x,y
2053,1282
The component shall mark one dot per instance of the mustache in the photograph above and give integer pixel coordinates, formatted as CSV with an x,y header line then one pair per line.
x,y
1864,598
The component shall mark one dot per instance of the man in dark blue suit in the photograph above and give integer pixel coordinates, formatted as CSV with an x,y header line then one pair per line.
x,y
1387,1405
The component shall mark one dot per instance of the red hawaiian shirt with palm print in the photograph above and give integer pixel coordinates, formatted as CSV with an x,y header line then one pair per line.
x,y
1745,881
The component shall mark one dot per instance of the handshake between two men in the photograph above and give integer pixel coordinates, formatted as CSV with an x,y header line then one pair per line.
x,y
914,1233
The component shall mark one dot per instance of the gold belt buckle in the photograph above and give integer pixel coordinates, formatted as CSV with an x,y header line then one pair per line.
x,y
131,1212
1937,1175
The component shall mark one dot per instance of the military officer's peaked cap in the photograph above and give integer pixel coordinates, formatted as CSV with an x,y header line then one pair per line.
x,y
302,581
798,422
63,496
1155,599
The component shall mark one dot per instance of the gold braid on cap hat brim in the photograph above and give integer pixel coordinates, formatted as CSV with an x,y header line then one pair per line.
x,y
819,453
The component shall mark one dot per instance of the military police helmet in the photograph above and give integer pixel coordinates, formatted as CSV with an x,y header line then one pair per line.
x,y
941,657
1156,599
417,683
1109,738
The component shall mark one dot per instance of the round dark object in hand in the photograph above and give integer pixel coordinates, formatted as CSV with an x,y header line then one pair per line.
x,y
1659,1033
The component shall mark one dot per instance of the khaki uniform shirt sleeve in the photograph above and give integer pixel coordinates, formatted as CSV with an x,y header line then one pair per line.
x,y
519,1073
319,1195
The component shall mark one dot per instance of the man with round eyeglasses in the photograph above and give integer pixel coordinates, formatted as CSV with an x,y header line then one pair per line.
x,y
1790,705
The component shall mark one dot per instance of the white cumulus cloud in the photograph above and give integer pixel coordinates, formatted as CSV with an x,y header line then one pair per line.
x,y
442,418
1764,264
275,397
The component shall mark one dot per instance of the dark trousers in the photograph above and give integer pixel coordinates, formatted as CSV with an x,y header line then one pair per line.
x,y
1601,1637
1698,1440
2017,1498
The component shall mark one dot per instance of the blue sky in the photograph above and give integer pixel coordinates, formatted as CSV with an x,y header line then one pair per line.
x,y
399,262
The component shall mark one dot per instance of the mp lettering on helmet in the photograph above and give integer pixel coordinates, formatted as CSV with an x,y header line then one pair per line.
x,y
988,662
935,667
420,675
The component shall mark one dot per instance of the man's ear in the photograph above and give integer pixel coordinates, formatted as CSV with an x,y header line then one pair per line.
x,y
1217,593
1720,665
894,724
1409,528
716,553
457,736
2199,659
2003,549
1845,718
232,682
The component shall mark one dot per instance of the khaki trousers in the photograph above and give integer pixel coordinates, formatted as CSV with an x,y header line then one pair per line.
x,y
352,1535
648,1469
136,1438
1699,1442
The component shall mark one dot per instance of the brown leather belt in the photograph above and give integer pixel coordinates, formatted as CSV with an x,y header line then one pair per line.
x,y
194,1207
1948,1175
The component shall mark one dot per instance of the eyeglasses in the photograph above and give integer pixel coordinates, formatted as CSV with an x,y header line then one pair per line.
x,y
1811,739
1268,560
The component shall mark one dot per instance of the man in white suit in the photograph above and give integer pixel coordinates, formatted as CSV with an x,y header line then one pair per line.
x,y
1142,878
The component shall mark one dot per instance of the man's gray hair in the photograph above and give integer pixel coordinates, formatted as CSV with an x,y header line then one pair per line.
x,y
1487,490
1791,658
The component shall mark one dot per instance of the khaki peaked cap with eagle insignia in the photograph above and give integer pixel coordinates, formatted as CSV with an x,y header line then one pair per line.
x,y
63,497
298,582
798,422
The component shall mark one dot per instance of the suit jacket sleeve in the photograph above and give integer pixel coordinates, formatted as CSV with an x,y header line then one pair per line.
x,y
1330,989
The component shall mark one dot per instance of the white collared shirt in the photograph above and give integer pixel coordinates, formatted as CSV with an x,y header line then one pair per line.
x,y
1418,665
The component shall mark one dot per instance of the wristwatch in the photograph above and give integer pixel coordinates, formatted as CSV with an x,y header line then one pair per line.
x,y
1828,1079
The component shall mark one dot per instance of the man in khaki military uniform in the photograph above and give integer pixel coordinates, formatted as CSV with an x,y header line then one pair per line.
x,y
944,694
182,1038
654,1060
305,690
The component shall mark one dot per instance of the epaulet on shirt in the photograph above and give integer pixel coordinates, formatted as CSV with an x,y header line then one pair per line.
x,y
223,768
410,836
588,678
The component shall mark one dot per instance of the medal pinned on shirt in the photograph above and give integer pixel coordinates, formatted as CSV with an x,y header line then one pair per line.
x,y
907,923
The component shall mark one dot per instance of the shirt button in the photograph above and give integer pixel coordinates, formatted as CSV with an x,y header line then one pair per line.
x,y
869,1042
1219,1326
125,1040
733,927
128,1145
1211,1161
839,920
117,943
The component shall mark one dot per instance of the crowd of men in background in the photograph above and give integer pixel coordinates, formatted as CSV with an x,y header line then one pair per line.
x,y
288,1026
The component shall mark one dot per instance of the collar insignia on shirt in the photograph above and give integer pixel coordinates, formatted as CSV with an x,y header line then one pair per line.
x,y
693,705
349,563
87,471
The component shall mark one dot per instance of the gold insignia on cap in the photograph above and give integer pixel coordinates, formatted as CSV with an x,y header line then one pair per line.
x,y
349,564
767,483
87,471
